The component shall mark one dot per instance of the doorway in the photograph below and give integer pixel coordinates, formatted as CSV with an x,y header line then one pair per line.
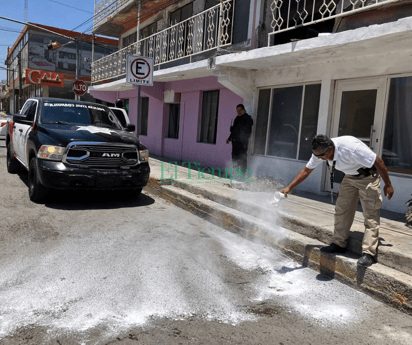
x,y
358,111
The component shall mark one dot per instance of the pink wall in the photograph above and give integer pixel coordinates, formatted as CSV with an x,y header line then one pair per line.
x,y
186,147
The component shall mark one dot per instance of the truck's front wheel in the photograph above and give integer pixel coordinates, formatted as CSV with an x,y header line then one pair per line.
x,y
37,192
13,164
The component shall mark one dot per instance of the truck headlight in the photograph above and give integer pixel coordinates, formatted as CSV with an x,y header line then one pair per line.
x,y
144,156
53,153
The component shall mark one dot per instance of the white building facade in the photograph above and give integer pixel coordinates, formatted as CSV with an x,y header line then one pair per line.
x,y
319,67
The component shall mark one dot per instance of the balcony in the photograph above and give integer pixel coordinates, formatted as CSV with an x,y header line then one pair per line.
x,y
203,32
109,16
292,14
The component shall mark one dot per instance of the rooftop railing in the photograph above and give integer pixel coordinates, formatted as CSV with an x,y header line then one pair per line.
x,y
203,32
289,15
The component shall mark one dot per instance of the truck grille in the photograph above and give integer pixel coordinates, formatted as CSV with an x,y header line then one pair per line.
x,y
101,154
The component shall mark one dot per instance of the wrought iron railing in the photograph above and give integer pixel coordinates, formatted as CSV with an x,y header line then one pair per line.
x,y
291,14
105,9
203,32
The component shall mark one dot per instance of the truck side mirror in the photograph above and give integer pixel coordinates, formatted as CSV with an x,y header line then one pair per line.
x,y
130,127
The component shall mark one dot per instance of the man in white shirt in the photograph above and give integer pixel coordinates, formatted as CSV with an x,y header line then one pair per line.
x,y
363,169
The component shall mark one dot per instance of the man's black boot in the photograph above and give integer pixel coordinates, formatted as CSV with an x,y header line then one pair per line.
x,y
333,248
365,260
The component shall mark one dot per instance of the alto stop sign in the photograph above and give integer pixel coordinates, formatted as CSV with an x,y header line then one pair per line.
x,y
79,87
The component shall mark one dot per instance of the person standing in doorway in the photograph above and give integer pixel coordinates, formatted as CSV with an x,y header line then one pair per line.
x,y
239,136
363,170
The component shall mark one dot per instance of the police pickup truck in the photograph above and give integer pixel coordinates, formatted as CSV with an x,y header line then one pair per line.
x,y
67,144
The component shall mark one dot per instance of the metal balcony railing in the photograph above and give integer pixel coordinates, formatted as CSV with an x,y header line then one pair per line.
x,y
203,32
105,9
289,15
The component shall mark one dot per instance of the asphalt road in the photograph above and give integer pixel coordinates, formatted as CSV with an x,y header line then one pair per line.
x,y
93,268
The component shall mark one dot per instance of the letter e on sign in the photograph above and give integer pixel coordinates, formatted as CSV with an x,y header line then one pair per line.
x,y
79,87
139,70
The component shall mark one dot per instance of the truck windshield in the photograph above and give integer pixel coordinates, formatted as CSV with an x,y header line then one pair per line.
x,y
80,114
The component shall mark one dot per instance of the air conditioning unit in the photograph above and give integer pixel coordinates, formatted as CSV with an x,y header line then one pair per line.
x,y
171,97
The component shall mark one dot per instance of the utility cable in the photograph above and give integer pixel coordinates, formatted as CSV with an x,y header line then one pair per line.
x,y
79,9
2,28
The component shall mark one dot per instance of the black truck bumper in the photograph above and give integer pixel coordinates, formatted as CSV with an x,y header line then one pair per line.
x,y
58,175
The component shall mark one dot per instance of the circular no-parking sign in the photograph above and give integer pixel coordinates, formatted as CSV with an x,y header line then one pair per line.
x,y
139,70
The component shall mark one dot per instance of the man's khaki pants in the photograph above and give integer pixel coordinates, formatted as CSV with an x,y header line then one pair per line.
x,y
367,189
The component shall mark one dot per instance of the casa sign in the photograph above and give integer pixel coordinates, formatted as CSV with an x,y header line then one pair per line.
x,y
44,78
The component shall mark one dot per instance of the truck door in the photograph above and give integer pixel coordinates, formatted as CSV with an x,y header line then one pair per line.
x,y
27,126
18,131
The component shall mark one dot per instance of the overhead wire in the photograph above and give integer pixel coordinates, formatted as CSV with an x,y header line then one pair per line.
x,y
2,28
79,9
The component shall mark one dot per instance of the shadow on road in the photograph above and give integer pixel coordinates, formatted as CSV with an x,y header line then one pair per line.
x,y
94,200
90,200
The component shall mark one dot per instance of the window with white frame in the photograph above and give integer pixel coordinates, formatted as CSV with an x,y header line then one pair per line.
x,y
286,121
397,144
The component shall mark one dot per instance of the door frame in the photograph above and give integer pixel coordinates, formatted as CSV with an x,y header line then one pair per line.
x,y
377,131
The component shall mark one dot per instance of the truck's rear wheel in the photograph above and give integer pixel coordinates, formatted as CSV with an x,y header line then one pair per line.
x,y
37,192
13,164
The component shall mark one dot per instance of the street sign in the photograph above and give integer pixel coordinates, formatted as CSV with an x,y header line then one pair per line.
x,y
79,87
139,70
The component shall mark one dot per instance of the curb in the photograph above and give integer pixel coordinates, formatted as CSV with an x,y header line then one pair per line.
x,y
308,228
383,283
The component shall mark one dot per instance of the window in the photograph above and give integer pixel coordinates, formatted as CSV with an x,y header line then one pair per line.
x,y
26,107
120,116
145,115
208,122
292,117
129,39
148,30
397,144
211,3
174,121
32,111
181,14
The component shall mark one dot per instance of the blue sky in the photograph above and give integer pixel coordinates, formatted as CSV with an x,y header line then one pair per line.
x,y
65,14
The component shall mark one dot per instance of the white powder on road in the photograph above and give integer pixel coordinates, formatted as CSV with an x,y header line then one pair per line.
x,y
119,279
294,286
124,277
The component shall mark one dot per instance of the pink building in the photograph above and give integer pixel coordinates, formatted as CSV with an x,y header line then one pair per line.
x,y
185,120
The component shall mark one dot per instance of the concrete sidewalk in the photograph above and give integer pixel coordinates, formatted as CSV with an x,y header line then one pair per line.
x,y
299,227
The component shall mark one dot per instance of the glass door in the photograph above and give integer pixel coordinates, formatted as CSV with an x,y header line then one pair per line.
x,y
358,111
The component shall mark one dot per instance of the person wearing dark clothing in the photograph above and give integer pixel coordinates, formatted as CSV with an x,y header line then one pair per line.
x,y
239,136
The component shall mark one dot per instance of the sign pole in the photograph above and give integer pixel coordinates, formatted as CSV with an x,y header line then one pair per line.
x,y
139,87
20,83
14,95
77,97
139,109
